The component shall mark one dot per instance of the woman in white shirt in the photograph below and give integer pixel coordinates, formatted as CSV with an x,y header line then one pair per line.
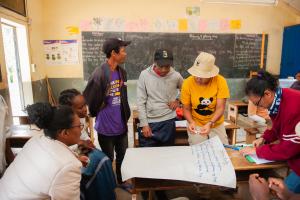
x,y
46,168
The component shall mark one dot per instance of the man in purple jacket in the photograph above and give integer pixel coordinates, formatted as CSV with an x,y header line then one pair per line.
x,y
106,96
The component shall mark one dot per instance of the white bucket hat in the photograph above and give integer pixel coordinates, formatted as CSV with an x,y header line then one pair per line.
x,y
204,66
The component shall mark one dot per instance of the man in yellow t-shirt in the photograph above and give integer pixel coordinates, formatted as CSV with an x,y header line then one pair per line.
x,y
203,96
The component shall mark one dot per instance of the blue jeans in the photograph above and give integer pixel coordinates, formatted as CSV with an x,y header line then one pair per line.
x,y
293,182
163,134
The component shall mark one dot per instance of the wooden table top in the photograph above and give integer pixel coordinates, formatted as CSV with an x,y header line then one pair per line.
x,y
230,125
23,131
237,103
240,163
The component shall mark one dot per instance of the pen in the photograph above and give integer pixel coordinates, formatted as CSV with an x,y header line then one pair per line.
x,y
231,147
244,145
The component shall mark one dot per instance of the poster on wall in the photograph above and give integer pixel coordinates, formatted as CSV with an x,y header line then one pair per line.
x,y
61,52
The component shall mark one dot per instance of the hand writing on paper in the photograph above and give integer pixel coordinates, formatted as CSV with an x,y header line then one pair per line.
x,y
258,142
173,104
248,151
147,132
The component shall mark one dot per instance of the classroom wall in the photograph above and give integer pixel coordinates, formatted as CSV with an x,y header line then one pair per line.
x,y
255,19
48,19
35,9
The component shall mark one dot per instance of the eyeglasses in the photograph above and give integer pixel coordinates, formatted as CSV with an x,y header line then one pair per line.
x,y
81,126
257,103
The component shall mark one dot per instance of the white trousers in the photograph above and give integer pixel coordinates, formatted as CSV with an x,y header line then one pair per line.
x,y
219,131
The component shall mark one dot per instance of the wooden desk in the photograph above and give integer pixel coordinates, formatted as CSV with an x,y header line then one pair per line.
x,y
20,134
181,137
242,167
17,137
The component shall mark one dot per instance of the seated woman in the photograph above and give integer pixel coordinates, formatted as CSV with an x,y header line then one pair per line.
x,y
98,180
46,168
284,110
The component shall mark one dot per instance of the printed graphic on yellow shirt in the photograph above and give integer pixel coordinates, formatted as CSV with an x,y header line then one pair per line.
x,y
203,106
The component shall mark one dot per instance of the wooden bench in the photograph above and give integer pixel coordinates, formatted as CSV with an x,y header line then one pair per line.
x,y
181,137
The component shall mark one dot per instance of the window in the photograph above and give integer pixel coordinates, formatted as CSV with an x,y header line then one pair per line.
x,y
15,48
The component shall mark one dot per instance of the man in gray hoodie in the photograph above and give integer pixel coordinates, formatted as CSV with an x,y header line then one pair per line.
x,y
157,92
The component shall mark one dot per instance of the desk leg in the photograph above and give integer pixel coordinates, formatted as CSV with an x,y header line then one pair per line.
x,y
133,196
231,133
150,195
134,192
234,136
9,156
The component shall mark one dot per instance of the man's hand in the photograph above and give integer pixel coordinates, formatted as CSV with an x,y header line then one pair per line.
x,y
259,188
258,142
277,185
205,129
173,104
191,127
147,132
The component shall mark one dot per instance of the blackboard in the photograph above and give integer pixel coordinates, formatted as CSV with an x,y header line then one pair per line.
x,y
236,54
